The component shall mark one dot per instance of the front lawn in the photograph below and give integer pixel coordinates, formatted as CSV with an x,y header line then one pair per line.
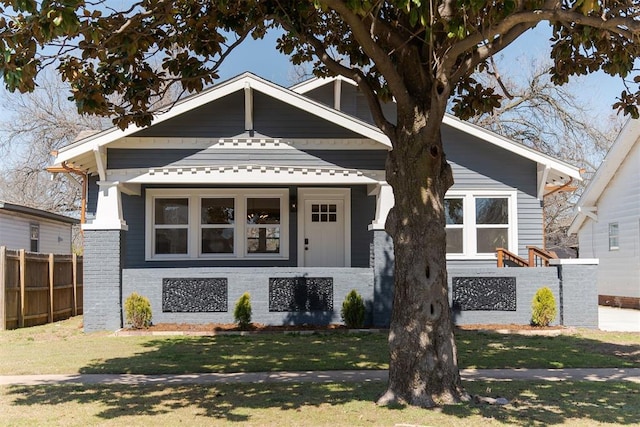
x,y
62,347
343,404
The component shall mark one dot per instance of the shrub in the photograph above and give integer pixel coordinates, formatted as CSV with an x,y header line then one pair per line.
x,y
353,310
137,311
242,311
543,307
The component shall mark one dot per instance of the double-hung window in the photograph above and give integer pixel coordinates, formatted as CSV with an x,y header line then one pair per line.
x,y
217,223
614,236
34,238
477,223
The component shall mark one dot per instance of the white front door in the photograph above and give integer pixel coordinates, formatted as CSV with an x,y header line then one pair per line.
x,y
324,230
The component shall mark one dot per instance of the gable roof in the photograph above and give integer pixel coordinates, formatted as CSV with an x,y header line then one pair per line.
x,y
88,146
88,152
11,207
628,137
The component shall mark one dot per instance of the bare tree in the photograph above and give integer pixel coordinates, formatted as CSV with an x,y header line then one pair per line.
x,y
37,124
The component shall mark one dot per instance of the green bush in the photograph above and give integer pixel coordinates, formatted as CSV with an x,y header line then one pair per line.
x,y
543,307
353,310
242,311
137,311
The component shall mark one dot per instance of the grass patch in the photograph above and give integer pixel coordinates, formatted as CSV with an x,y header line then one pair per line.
x,y
531,404
62,347
584,349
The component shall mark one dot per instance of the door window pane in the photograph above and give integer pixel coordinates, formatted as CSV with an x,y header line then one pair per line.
x,y
492,211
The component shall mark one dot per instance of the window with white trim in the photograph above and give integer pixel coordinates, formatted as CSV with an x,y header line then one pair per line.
x,y
477,223
614,236
34,237
219,224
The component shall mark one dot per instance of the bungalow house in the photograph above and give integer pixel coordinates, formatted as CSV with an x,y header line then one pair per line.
x,y
607,221
249,186
35,230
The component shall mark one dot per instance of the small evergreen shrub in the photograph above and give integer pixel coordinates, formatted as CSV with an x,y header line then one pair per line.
x,y
242,311
353,310
543,307
137,311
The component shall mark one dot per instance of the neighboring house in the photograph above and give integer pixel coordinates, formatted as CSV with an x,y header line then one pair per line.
x,y
35,230
250,186
607,220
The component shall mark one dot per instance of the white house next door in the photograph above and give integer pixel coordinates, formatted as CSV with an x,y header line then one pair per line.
x,y
325,231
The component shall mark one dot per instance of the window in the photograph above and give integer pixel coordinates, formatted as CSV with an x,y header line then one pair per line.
x,y
217,225
614,235
477,223
263,225
34,238
222,223
453,211
171,225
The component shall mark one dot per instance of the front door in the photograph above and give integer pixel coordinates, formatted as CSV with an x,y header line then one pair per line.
x,y
324,239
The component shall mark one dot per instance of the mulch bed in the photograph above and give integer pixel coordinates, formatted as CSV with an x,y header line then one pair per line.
x,y
213,328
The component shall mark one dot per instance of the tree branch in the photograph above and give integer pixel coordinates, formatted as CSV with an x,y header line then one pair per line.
x,y
379,56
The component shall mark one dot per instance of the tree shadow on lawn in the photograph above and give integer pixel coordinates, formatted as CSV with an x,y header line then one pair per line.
x,y
256,353
331,351
489,350
531,404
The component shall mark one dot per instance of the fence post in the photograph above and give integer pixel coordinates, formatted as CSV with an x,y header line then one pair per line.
x,y
23,269
51,271
3,288
74,273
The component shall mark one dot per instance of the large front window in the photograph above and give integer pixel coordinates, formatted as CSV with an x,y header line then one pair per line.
x,y
224,223
478,223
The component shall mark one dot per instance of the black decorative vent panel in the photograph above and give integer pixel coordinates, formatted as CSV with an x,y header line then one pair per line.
x,y
300,294
194,295
484,293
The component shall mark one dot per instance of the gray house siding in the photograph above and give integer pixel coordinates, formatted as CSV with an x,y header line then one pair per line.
x,y
220,119
225,118
479,165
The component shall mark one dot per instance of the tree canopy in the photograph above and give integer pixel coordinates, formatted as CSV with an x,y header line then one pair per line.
x,y
136,53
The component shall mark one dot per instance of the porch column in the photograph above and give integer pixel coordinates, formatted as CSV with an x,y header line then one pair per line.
x,y
103,256
382,257
109,210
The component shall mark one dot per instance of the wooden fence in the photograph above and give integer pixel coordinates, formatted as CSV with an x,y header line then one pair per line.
x,y
38,288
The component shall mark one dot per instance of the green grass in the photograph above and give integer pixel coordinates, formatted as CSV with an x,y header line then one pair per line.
x,y
347,404
62,347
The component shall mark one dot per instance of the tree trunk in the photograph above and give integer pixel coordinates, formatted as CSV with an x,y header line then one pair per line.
x,y
423,367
